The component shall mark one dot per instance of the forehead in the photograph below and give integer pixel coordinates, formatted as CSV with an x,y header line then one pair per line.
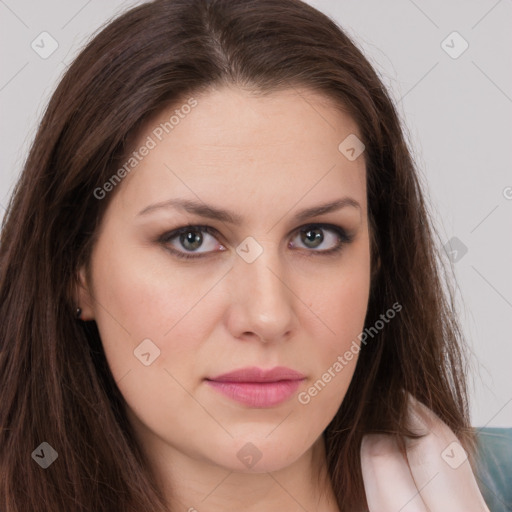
x,y
234,145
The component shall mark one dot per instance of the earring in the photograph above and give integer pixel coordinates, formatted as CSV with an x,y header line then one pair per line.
x,y
78,312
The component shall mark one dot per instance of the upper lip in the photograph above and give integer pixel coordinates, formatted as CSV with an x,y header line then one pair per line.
x,y
254,374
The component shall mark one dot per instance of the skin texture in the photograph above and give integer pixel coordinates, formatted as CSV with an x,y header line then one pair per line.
x,y
265,158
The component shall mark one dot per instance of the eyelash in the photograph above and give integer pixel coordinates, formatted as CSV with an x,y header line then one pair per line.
x,y
343,236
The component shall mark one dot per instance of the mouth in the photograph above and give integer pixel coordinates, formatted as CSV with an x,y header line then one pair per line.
x,y
257,387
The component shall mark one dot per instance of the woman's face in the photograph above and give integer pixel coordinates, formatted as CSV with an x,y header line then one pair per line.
x,y
261,289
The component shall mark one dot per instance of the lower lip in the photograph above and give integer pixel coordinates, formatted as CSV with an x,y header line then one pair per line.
x,y
257,394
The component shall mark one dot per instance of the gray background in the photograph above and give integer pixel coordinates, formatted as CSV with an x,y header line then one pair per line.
x,y
456,112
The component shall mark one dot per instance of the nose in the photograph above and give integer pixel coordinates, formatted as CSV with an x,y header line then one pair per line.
x,y
262,301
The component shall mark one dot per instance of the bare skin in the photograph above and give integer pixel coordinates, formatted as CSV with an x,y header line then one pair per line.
x,y
274,299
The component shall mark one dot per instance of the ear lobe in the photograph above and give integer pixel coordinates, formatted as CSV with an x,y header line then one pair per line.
x,y
83,296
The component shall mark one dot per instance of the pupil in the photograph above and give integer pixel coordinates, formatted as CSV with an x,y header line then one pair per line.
x,y
314,235
193,238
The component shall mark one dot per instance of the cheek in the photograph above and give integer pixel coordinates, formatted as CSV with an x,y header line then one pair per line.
x,y
141,297
335,356
341,309
340,298
152,322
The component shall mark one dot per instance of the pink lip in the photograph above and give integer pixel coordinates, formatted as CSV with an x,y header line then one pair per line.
x,y
257,387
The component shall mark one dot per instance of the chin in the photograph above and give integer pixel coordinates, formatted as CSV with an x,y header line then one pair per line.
x,y
263,455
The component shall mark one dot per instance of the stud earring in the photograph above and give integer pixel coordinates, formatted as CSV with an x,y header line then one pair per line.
x,y
78,312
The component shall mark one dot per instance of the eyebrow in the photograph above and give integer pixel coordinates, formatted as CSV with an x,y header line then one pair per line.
x,y
222,215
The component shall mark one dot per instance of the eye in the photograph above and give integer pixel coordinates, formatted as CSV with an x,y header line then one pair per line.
x,y
313,237
186,241
191,239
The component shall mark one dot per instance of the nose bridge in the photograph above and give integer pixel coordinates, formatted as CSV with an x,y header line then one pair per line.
x,y
262,289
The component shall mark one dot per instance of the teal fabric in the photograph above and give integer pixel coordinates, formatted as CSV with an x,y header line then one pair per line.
x,y
494,467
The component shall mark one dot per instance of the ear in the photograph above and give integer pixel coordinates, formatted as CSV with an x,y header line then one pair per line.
x,y
83,296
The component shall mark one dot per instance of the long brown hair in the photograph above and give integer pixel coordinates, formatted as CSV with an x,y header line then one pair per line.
x,y
55,384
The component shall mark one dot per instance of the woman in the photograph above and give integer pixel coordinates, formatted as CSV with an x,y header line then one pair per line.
x,y
219,286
